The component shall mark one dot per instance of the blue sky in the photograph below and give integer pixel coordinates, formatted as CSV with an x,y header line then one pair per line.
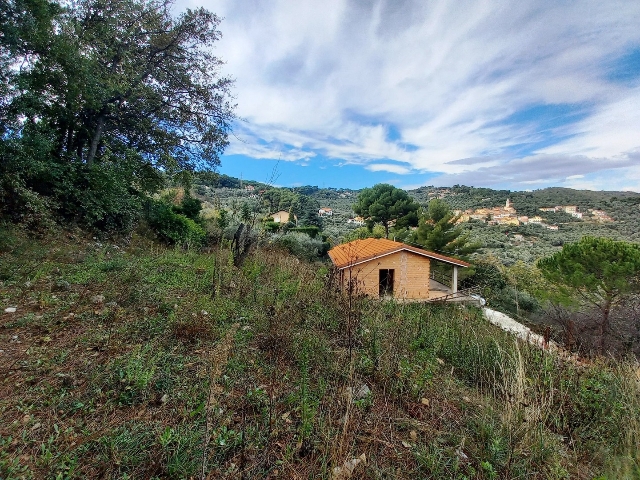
x,y
518,95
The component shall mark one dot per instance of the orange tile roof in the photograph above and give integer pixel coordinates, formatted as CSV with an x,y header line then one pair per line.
x,y
359,251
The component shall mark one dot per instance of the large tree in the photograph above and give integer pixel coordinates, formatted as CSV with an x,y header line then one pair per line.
x,y
597,271
122,83
386,204
439,232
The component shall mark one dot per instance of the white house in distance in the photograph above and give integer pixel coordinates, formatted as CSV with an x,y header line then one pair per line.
x,y
356,221
325,212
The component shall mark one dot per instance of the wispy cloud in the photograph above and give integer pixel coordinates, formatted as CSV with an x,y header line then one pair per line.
x,y
388,167
478,91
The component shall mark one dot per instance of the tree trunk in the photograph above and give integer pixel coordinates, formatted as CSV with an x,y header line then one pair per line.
x,y
95,140
603,326
386,230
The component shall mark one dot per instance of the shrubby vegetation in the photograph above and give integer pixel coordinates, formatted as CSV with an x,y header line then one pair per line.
x,y
109,97
301,245
261,372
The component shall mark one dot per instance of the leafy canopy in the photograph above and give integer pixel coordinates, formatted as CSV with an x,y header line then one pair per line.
x,y
97,92
385,204
437,231
597,269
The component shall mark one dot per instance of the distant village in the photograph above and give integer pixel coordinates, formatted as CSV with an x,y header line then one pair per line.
x,y
508,215
502,215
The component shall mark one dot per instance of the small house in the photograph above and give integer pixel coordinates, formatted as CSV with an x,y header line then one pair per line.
x,y
282,217
379,267
325,211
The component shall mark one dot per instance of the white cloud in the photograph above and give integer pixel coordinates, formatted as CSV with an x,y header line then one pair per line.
x,y
388,167
429,83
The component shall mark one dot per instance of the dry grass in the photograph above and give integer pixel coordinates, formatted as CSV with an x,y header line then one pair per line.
x,y
123,387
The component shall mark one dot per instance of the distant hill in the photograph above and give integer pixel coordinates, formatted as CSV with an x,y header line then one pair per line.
x,y
508,243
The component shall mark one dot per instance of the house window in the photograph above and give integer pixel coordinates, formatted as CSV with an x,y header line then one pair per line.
x,y
386,282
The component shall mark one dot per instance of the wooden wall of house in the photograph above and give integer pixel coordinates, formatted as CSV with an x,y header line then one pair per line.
x,y
411,275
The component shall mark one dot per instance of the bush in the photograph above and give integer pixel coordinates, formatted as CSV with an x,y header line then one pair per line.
x,y
300,245
174,228
36,188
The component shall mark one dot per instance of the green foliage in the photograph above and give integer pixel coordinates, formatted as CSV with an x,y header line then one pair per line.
x,y
437,231
385,203
245,212
600,270
306,209
301,245
363,232
108,95
223,219
272,226
173,228
312,230
189,207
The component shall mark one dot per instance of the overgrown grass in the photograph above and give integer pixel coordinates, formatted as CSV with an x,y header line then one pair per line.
x,y
108,366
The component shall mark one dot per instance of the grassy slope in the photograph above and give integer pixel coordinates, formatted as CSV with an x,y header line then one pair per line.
x,y
260,361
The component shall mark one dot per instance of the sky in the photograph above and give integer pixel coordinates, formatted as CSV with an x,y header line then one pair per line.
x,y
519,95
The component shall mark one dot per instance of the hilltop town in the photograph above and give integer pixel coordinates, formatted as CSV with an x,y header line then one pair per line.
x,y
508,215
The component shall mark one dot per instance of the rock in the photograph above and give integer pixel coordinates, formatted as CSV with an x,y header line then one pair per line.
x,y
10,310
97,299
346,470
61,285
358,393
28,284
36,426
461,455
112,304
164,399
363,392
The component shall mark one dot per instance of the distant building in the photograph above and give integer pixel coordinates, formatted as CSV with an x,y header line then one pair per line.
x,y
282,217
325,211
507,221
601,216
536,219
356,221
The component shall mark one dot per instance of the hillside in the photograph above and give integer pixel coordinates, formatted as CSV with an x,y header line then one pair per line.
x,y
132,360
506,242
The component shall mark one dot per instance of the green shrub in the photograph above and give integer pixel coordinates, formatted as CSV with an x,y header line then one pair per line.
x,y
174,228
189,207
300,245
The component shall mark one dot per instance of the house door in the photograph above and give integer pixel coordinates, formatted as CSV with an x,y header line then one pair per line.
x,y
385,282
